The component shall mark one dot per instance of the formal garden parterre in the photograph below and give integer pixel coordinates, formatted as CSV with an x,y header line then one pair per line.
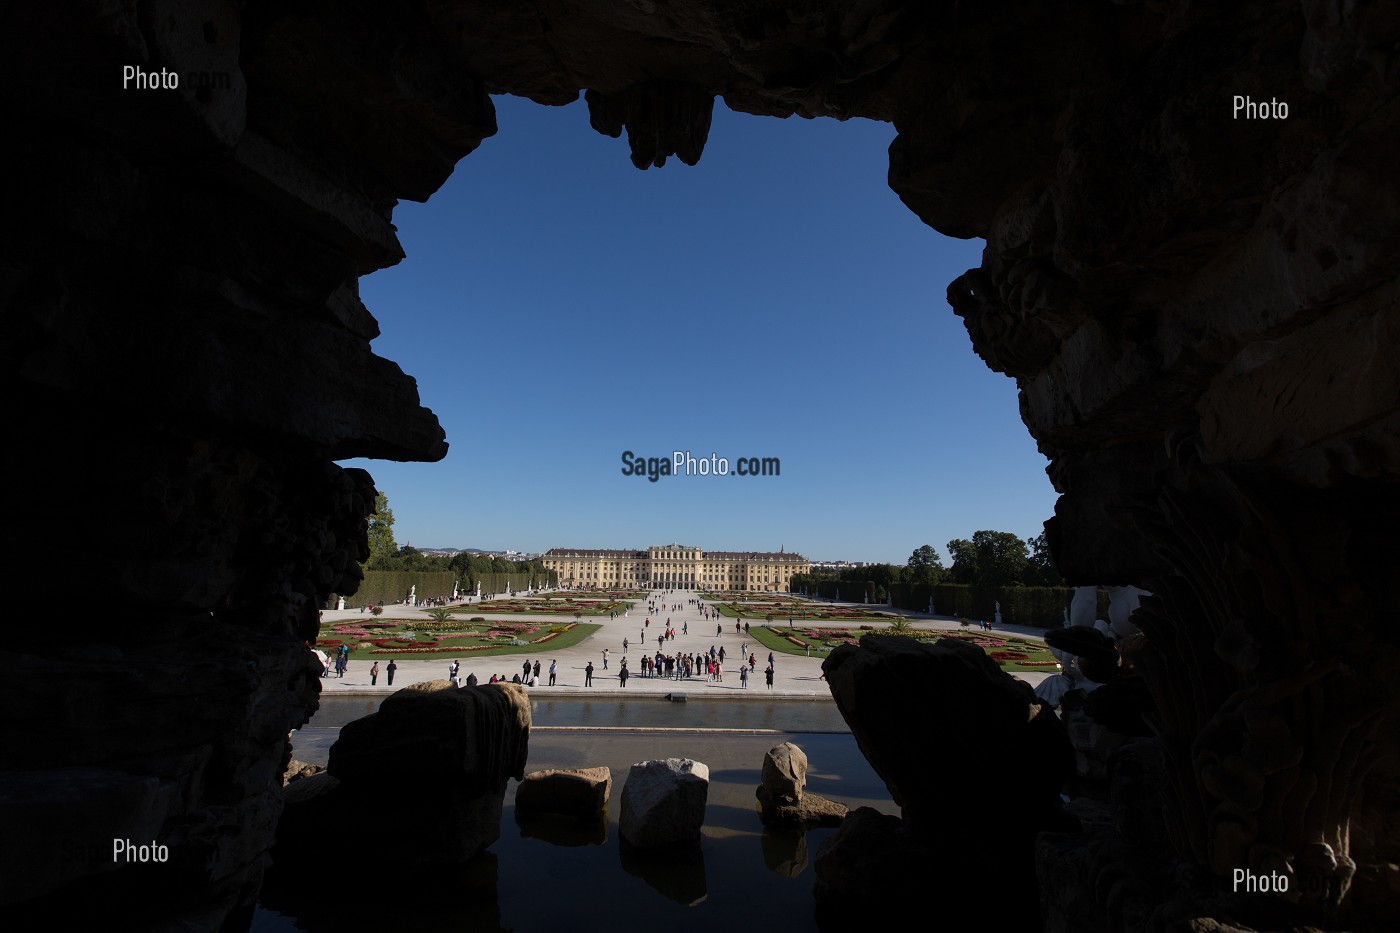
x,y
426,638
1012,652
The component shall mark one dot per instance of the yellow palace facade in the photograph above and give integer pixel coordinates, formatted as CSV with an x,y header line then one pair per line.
x,y
676,566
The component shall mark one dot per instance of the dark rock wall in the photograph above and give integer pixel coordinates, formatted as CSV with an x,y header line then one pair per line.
x,y
1200,314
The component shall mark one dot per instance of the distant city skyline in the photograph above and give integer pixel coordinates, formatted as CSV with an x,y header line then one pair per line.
x,y
559,308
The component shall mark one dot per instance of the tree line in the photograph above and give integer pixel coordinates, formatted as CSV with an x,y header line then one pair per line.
x,y
989,559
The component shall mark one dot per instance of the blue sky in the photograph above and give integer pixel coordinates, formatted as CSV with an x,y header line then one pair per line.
x,y
558,307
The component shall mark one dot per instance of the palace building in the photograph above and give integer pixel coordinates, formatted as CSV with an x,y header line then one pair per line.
x,y
675,566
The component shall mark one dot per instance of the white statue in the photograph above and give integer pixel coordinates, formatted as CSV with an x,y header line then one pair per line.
x,y
1084,605
341,604
998,612
1122,602
454,590
413,595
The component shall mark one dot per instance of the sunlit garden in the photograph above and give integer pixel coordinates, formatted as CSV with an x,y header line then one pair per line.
x,y
1012,652
425,638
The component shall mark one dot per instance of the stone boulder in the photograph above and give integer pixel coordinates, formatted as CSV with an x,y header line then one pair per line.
x,y
938,722
784,772
973,760
781,795
663,802
434,760
298,770
581,793
874,866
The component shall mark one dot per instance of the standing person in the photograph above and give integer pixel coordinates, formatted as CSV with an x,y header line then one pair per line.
x,y
525,672
605,660
770,659
471,680
390,671
721,654
588,675
768,676
622,673
624,644
743,677
374,673
753,663
553,667
453,671
537,672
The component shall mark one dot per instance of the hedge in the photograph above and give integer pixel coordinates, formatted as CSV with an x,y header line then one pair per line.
x,y
1036,606
386,587
847,591
495,583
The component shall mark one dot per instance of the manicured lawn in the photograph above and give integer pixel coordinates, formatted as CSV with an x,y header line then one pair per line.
x,y
429,640
1011,652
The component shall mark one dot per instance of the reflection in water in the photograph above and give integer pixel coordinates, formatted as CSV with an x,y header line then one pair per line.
x,y
677,872
643,712
294,898
567,879
785,851
563,830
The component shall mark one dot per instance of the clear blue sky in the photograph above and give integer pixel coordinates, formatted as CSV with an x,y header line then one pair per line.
x,y
558,307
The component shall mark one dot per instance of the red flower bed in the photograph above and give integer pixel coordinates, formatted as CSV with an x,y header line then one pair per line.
x,y
1007,655
329,643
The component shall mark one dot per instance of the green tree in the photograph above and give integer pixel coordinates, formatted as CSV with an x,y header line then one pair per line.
x,y
382,548
1041,564
1001,558
991,558
925,566
964,555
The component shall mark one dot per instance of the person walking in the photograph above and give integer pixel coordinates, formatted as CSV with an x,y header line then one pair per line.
x,y
685,628
719,630
624,644
588,675
390,671
553,668
374,673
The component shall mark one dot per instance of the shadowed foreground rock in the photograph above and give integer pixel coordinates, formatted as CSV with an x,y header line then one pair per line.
x,y
433,762
976,765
